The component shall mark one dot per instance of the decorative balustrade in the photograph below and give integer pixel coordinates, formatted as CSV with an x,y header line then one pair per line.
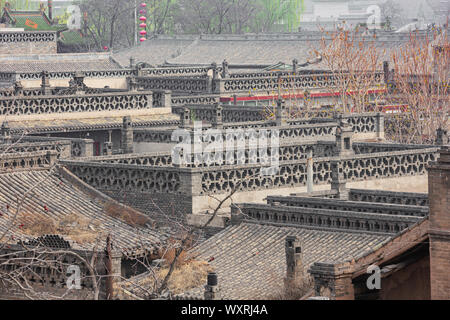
x,y
63,148
27,36
326,219
264,74
120,177
100,74
159,159
355,206
18,161
293,173
76,147
403,198
20,106
314,81
194,99
176,71
175,84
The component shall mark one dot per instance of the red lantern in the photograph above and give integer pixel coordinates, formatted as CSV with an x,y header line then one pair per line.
x,y
143,18
142,32
141,11
142,39
143,25
105,48
143,4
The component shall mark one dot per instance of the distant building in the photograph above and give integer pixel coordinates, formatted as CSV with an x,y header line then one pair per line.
x,y
329,14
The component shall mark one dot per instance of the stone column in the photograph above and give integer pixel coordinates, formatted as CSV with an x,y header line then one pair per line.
x,y
132,62
338,182
166,100
212,290
217,121
441,137
380,125
280,115
127,135
6,132
310,170
294,66
132,84
185,118
344,138
45,83
108,144
225,70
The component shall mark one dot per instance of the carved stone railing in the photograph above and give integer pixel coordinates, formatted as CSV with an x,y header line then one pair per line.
x,y
229,113
7,77
63,148
264,74
326,219
401,198
19,161
120,177
175,84
355,206
27,36
77,147
194,99
21,106
60,91
314,81
175,71
158,159
293,173
99,74
371,147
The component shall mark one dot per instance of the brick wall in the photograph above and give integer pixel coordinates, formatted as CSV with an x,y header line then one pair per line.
x,y
26,42
439,195
16,48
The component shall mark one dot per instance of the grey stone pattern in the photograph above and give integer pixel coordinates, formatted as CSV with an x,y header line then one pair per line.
x,y
356,168
285,82
175,84
119,177
72,104
194,99
102,74
36,36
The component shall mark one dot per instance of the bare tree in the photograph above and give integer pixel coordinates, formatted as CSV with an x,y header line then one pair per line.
x,y
353,61
421,84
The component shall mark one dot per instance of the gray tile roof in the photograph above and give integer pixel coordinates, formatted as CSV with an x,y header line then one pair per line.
x,y
58,62
55,198
56,66
250,258
154,52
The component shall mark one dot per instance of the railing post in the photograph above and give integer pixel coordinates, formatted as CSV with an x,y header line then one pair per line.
x,y
310,171
380,125
127,135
